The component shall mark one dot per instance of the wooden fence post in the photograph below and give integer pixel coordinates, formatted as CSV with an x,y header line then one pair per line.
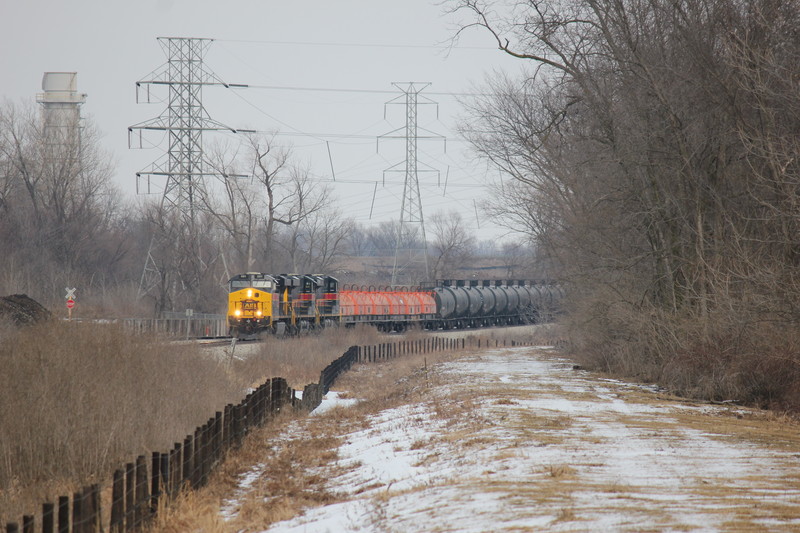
x,y
236,431
130,497
186,467
91,509
208,455
226,428
207,438
63,514
174,468
197,460
248,411
217,441
48,522
202,455
118,502
77,512
166,473
27,524
155,481
257,397
141,493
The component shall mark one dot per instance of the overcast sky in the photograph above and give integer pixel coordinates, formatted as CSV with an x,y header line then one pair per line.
x,y
358,47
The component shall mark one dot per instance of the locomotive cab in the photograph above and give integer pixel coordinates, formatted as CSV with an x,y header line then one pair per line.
x,y
250,302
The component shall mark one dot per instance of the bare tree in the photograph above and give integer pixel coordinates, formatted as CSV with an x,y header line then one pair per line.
x,y
650,148
452,245
56,196
237,209
322,240
305,199
382,238
358,240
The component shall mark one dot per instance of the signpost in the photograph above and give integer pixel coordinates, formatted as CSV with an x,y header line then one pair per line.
x,y
70,301
189,314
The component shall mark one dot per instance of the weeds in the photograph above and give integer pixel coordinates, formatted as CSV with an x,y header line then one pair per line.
x,y
730,354
300,360
81,399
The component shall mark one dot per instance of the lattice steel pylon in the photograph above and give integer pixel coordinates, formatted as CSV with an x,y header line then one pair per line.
x,y
411,246
184,121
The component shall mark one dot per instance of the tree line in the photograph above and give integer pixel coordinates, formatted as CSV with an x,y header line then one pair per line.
x,y
63,223
652,152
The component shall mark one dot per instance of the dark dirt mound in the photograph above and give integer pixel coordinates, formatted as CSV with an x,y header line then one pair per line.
x,y
21,310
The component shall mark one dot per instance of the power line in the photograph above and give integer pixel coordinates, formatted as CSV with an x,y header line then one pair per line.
x,y
360,45
344,90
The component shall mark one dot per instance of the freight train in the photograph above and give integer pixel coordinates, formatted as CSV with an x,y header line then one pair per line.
x,y
288,304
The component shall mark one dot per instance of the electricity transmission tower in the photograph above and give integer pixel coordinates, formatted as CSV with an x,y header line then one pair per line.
x,y
411,246
183,167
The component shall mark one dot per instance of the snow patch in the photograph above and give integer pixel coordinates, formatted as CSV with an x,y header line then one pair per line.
x,y
565,451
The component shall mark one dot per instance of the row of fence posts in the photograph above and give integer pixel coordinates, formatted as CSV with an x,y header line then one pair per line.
x,y
313,393
178,327
138,489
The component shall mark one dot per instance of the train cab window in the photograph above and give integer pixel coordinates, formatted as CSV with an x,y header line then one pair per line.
x,y
238,285
247,282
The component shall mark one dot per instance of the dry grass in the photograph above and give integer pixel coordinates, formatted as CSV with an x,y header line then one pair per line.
x,y
307,456
300,360
734,351
83,399
190,511
80,400
560,472
292,461
284,483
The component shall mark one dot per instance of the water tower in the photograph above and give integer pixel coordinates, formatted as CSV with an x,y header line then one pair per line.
x,y
61,113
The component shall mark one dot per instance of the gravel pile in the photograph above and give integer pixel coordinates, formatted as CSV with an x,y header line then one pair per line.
x,y
21,310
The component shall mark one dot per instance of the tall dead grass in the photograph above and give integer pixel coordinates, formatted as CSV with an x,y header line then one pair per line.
x,y
733,353
300,360
79,400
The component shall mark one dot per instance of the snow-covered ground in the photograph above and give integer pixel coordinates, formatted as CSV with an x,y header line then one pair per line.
x,y
516,440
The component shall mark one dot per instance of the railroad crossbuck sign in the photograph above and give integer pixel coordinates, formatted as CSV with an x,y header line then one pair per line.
x,y
70,299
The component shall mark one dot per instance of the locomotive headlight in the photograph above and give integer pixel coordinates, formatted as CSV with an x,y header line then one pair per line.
x,y
238,312
249,293
258,313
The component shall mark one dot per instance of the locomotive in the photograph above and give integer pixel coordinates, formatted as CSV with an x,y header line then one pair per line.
x,y
287,304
